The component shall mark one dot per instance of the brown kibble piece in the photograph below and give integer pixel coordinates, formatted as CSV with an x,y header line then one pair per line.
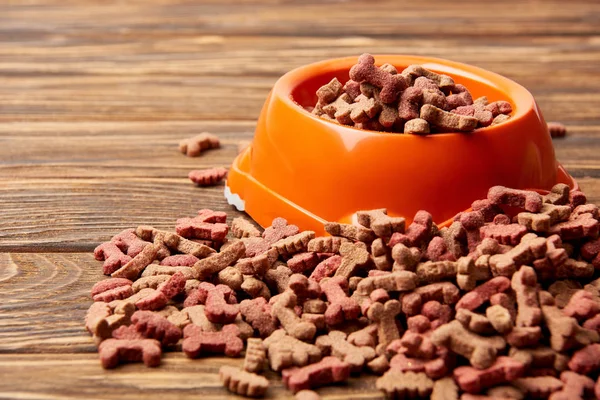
x,y
326,244
217,262
524,284
227,341
255,355
474,322
385,317
505,392
293,244
405,385
243,383
285,351
414,71
231,277
255,288
241,228
174,242
480,351
445,389
417,126
557,130
380,223
278,277
335,344
161,270
524,253
329,92
352,232
283,310
134,268
194,146
446,120
565,332
114,351
400,281
353,257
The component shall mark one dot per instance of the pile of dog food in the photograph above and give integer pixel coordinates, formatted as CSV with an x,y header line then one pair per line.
x,y
503,303
415,100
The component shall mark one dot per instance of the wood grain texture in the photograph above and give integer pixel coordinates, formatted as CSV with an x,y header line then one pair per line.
x,y
95,95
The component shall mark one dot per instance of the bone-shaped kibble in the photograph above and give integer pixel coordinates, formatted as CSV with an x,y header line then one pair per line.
x,y
341,307
352,232
197,343
255,287
380,223
565,332
435,271
174,242
575,387
208,176
285,351
293,244
346,111
278,276
389,112
217,262
353,257
335,344
581,226
582,305
415,71
402,385
114,351
381,255
444,389
474,322
154,326
385,317
156,270
524,199
112,256
278,230
481,351
524,253
218,301
283,310
524,284
174,316
129,242
241,227
417,126
549,215
183,260
242,382
328,370
483,292
191,228
329,92
446,120
391,84
256,356
326,244
504,370
136,265
400,281
587,360
326,268
304,288
194,146
257,265
505,234
112,289
539,387
409,104
302,262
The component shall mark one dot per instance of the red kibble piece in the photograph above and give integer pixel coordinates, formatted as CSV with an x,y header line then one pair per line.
x,y
114,351
197,343
557,130
173,286
207,177
341,307
302,262
417,233
499,107
112,256
118,293
488,209
154,301
180,260
483,292
583,226
366,71
504,234
257,312
587,360
154,326
582,305
129,242
437,250
127,333
460,97
207,215
409,104
504,370
576,387
328,370
109,284
304,288
326,268
216,299
524,199
278,230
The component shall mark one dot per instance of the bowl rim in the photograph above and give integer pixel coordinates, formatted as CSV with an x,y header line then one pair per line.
x,y
520,98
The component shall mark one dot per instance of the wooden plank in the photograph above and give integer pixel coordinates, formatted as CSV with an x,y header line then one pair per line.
x,y
80,376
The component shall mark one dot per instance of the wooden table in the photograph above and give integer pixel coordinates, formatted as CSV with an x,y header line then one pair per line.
x,y
95,95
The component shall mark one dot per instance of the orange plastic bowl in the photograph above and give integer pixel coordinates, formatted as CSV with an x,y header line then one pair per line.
x,y
309,170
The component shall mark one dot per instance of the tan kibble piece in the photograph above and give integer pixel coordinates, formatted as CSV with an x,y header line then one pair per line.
x,y
294,244
446,120
314,306
563,291
194,146
242,382
154,270
500,118
134,268
524,284
174,316
500,318
151,281
565,332
405,258
366,336
197,316
466,273
326,244
445,389
174,242
435,271
382,255
255,288
278,277
242,228
414,71
329,92
352,232
481,351
539,387
285,351
255,355
524,253
505,392
385,317
283,310
417,126
218,262
257,265
231,277
95,320
335,343
380,223
353,257
559,194
548,216
307,395
401,281
379,365
404,385
474,322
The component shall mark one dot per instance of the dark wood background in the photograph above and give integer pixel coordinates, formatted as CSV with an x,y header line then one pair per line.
x,y
95,95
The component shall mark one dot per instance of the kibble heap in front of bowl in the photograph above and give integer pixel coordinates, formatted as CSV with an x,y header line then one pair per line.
x,y
416,101
494,304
